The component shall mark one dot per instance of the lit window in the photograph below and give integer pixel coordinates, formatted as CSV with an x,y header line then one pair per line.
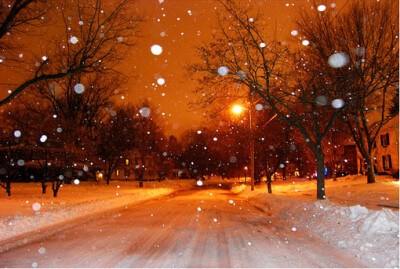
x,y
127,161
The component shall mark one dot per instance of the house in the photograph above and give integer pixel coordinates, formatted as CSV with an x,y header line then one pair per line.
x,y
154,168
385,152
386,148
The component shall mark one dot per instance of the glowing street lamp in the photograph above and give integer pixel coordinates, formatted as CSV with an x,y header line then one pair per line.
x,y
236,109
245,174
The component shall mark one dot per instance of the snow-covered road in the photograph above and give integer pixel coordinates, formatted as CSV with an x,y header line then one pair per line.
x,y
198,228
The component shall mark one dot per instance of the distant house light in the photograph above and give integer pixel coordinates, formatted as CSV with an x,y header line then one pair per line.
x,y
127,161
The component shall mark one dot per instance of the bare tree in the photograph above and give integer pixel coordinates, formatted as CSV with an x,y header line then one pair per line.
x,y
358,49
15,17
243,53
78,113
115,138
147,133
89,37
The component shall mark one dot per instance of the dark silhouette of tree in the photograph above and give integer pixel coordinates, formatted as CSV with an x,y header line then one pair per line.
x,y
358,50
174,149
279,144
88,37
196,155
36,147
148,136
115,138
15,17
394,108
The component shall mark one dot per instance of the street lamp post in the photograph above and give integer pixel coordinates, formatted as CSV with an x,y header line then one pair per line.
x,y
245,174
251,148
237,110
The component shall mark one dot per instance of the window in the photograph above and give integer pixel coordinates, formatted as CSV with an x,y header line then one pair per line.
x,y
117,172
127,161
385,140
387,162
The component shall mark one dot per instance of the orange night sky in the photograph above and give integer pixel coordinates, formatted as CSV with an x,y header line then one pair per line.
x,y
178,26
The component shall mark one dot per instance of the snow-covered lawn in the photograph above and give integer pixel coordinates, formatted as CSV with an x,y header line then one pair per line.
x,y
361,218
353,217
28,209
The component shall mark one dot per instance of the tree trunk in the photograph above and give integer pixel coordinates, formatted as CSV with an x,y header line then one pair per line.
x,y
284,172
269,182
56,187
44,187
320,174
268,175
8,187
334,175
108,177
141,181
370,169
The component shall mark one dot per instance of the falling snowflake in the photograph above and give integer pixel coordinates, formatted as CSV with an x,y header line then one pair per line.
x,y
338,103
161,81
43,138
79,88
145,112
36,206
156,49
338,60
321,100
73,40
223,70
259,107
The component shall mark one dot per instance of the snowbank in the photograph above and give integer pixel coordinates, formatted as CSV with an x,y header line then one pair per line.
x,y
28,210
371,235
238,189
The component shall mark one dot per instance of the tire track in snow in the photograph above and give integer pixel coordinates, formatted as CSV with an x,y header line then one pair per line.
x,y
171,232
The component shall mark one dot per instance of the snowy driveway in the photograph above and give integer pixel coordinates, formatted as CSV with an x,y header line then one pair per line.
x,y
198,228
